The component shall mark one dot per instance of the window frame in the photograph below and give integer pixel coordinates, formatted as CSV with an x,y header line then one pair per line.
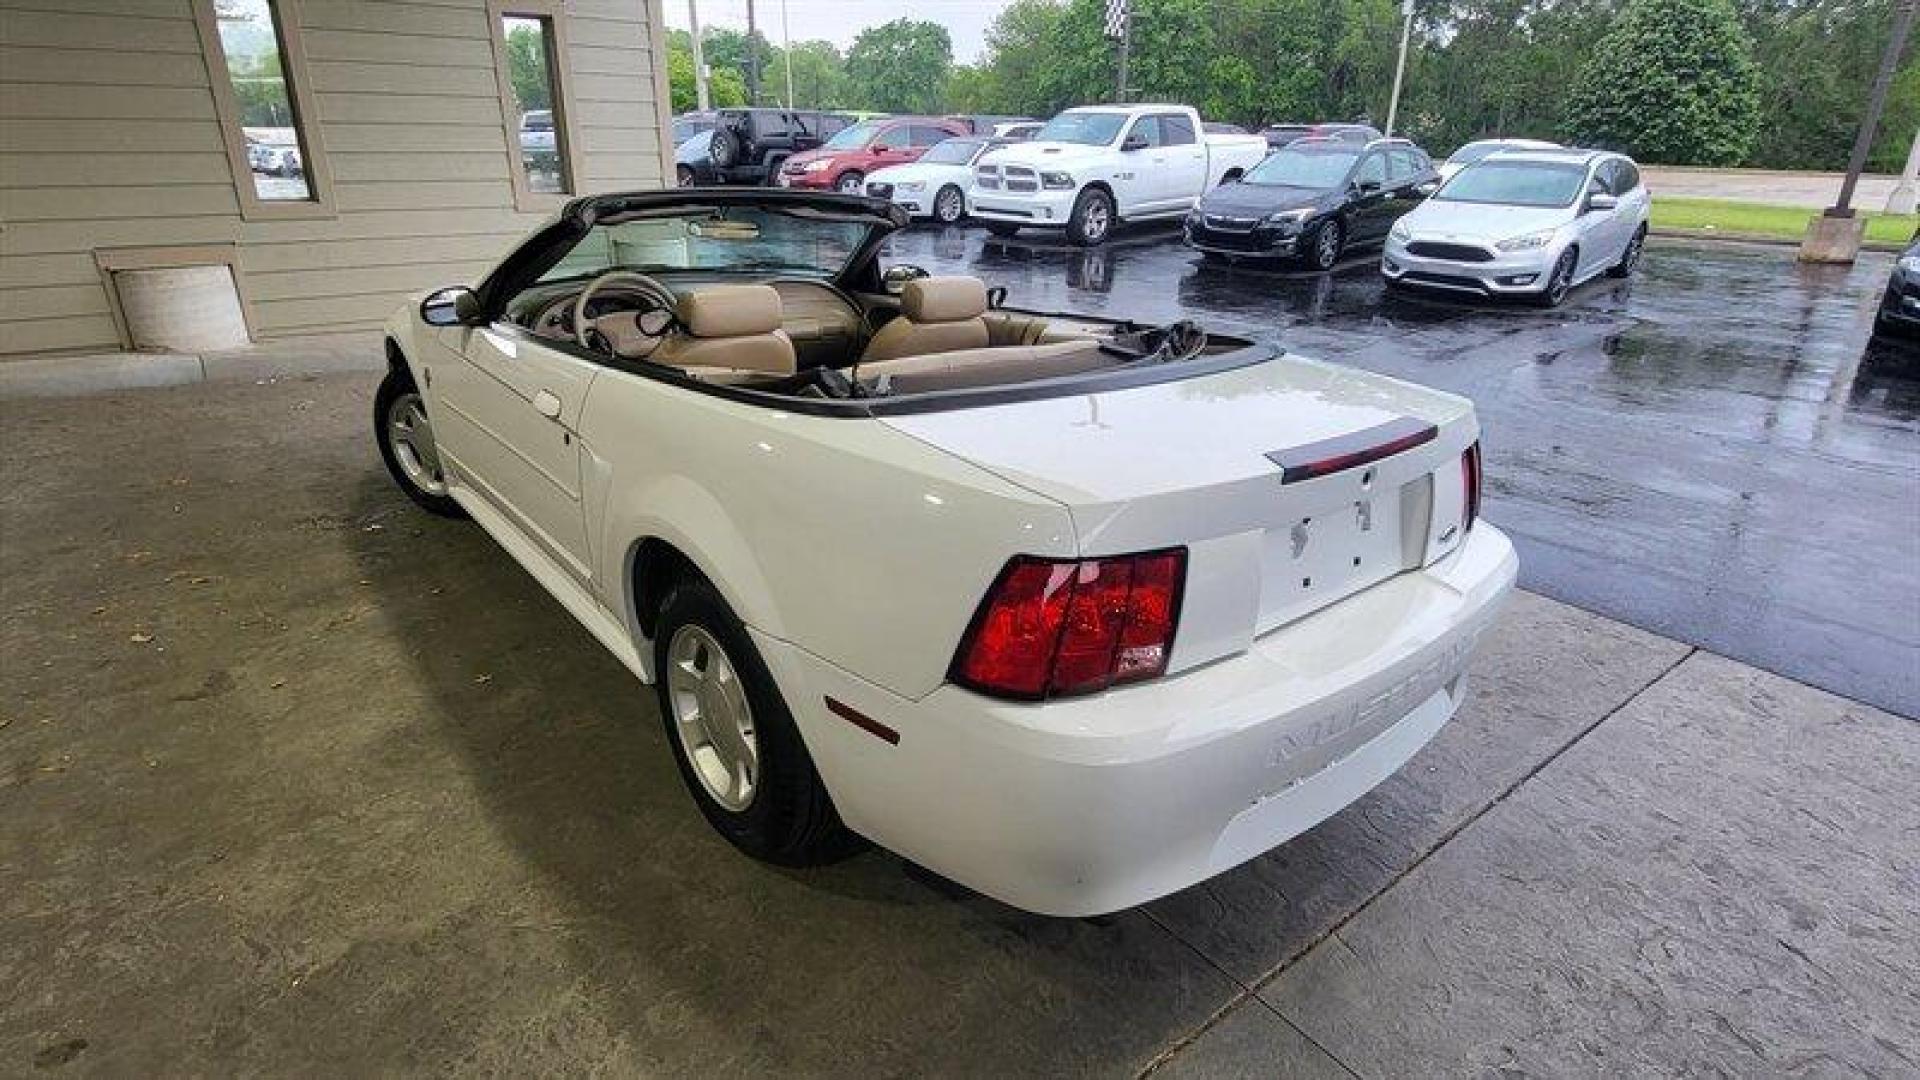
x,y
306,117
566,128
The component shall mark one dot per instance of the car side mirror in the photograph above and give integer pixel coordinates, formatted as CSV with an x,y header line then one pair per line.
x,y
453,306
1368,187
895,278
1426,190
1133,142
1600,200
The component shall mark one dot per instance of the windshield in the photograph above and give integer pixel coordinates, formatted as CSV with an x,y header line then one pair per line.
x,y
1087,128
1318,169
952,152
855,137
684,129
1516,183
735,238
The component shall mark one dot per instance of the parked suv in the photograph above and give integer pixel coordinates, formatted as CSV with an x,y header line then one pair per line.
x,y
748,146
1531,223
843,163
1312,200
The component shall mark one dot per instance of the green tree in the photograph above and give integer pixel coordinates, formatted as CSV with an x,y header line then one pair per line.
x,y
527,66
726,87
1672,81
901,66
819,76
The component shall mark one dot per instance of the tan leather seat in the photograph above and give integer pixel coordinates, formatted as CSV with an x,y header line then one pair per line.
x,y
730,327
1000,365
937,314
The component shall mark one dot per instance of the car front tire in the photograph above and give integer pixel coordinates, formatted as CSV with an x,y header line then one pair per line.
x,y
407,446
1092,219
1328,241
1630,258
683,175
1559,280
724,714
949,205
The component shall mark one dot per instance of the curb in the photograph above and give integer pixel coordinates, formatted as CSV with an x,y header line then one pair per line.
x,y
58,375
1760,238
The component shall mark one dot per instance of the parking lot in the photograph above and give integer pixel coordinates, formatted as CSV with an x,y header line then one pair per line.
x,y
1712,451
296,774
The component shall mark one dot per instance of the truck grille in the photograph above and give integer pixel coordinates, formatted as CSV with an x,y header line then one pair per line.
x,y
987,176
1433,249
1222,223
1021,178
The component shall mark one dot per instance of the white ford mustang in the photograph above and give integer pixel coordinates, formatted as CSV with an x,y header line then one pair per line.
x,y
1075,613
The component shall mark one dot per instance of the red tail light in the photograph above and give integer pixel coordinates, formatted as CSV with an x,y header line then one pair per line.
x,y
1052,628
1470,473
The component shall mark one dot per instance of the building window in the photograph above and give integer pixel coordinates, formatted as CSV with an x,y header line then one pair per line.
x,y
260,90
529,52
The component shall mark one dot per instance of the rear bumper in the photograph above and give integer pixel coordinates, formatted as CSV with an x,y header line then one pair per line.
x,y
1096,804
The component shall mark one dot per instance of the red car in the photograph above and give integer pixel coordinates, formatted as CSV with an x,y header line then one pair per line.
x,y
843,162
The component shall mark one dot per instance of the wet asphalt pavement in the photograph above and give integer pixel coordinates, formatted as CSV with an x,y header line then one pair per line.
x,y
1713,450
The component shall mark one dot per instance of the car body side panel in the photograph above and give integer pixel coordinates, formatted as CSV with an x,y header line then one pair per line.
x,y
868,545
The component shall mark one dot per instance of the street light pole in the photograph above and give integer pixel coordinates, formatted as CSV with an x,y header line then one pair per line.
x,y
1876,103
1400,69
753,59
786,50
701,100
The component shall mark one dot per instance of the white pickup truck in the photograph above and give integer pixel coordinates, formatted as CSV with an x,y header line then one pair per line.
x,y
1091,167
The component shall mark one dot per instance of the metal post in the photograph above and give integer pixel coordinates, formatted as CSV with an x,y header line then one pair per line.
x,y
701,100
753,60
1876,103
1903,199
786,49
1400,69
1126,46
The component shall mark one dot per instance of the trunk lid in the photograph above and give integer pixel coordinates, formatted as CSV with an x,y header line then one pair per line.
x,y
1203,463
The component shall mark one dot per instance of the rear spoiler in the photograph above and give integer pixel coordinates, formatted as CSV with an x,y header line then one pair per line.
x,y
1343,452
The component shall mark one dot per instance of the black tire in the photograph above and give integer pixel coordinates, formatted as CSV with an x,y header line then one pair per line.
x,y
1003,228
1559,280
724,149
851,182
949,205
398,385
1329,240
1630,258
790,820
683,175
1092,219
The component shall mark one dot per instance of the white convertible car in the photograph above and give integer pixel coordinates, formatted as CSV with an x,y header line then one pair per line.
x,y
1076,613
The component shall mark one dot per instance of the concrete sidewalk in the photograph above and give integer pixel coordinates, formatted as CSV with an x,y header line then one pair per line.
x,y
1815,190
62,374
300,780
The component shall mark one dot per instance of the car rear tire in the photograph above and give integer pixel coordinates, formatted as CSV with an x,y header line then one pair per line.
x,y
407,446
1559,280
850,182
1630,258
737,746
1092,219
1328,241
949,205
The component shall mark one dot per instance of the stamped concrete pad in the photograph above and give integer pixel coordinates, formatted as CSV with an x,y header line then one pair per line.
x,y
1251,1043
1723,879
1543,675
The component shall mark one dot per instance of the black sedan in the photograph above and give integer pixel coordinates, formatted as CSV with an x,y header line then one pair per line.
x,y
1313,200
1900,306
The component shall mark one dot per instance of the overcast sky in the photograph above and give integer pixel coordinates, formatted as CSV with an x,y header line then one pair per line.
x,y
840,21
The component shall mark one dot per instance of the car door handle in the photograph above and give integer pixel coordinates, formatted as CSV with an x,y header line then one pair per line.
x,y
547,404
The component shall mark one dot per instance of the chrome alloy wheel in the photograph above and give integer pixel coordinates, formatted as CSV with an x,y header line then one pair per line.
x,y
712,717
1098,220
411,436
947,206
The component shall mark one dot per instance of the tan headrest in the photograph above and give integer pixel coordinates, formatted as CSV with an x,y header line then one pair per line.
x,y
944,299
723,311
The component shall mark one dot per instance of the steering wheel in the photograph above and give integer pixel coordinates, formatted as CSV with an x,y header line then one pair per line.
x,y
584,328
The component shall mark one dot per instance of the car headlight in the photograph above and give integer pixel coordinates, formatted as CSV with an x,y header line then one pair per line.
x,y
1288,217
1056,180
817,166
909,185
1910,263
1400,232
1528,241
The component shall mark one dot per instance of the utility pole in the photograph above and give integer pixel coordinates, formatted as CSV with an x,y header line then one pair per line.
x,y
786,50
1400,69
1119,28
1835,235
753,60
701,100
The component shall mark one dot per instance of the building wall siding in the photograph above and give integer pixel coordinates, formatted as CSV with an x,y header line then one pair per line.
x,y
109,139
